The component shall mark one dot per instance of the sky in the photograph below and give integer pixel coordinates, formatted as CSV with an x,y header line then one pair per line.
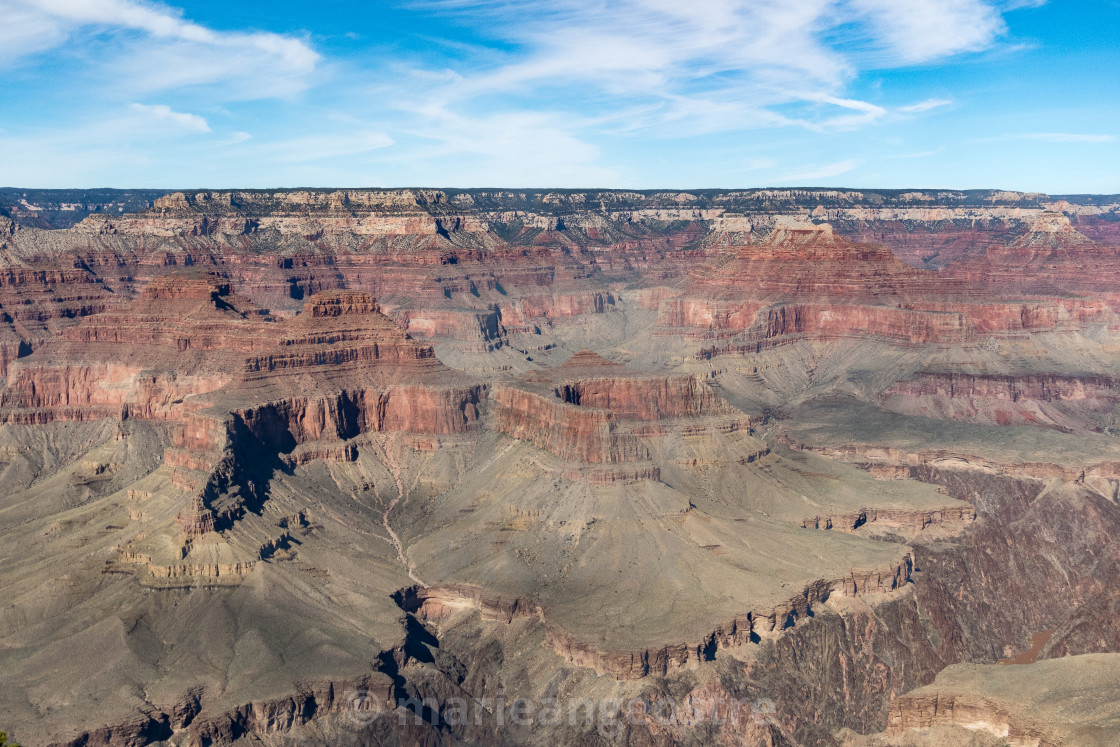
x,y
640,94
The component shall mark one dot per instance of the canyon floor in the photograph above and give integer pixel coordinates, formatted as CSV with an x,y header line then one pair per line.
x,y
767,467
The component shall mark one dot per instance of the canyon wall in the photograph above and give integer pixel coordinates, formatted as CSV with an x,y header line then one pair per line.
x,y
808,447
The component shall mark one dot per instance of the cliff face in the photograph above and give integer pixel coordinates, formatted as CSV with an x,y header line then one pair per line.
x,y
1038,399
592,410
182,337
575,433
1050,258
958,612
37,302
415,409
804,281
641,399
479,269
237,387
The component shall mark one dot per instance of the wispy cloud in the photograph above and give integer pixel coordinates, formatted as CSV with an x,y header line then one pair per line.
x,y
517,148
918,31
163,113
925,106
311,148
131,137
1017,4
235,137
736,59
576,72
154,48
527,92
866,113
820,172
651,45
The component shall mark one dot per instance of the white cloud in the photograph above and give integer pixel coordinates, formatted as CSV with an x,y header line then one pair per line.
x,y
505,148
163,113
568,73
655,46
710,65
868,112
1017,4
26,30
543,104
925,106
154,48
915,31
311,148
235,138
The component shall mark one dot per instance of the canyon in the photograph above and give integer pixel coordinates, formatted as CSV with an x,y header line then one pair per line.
x,y
318,465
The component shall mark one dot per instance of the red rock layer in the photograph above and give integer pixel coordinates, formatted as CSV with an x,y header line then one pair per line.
x,y
345,414
1052,258
1044,271
813,262
447,267
575,433
591,410
37,302
185,335
339,369
480,331
642,399
807,282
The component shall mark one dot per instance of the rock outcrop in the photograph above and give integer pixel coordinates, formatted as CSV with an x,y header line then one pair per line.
x,y
1059,401
1052,702
437,604
590,410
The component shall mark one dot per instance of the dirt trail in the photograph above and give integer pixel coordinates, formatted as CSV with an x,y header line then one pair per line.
x,y
395,470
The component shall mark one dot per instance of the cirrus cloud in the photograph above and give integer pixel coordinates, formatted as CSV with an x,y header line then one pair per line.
x,y
164,113
562,92
151,47
825,171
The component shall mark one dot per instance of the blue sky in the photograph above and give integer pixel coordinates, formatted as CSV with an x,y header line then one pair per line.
x,y
1015,94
